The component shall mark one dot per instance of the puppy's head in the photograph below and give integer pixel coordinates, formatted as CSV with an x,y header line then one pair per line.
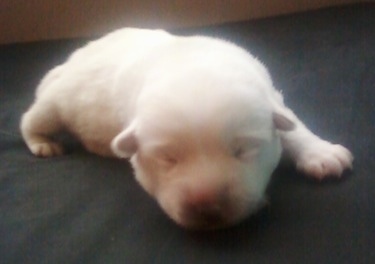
x,y
205,171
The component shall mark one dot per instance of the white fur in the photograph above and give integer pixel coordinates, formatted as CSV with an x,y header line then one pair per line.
x,y
198,117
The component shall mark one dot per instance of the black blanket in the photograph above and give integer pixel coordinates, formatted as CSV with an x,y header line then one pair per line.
x,y
81,208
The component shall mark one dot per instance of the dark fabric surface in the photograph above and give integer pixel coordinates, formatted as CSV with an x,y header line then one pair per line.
x,y
80,208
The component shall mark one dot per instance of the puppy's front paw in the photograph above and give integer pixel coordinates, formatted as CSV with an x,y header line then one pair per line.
x,y
46,149
323,159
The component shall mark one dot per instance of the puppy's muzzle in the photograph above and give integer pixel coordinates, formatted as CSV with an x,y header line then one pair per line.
x,y
205,210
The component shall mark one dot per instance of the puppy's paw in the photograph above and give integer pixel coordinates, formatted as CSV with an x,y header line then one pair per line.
x,y
323,159
46,149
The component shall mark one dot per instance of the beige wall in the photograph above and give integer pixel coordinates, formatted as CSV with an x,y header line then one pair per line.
x,y
29,20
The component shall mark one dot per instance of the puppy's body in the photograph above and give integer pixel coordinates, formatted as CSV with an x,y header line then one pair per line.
x,y
92,95
198,117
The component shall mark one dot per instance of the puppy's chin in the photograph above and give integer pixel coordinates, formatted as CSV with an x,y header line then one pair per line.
x,y
209,210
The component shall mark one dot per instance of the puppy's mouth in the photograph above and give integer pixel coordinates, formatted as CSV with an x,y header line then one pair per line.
x,y
204,216
211,216
202,208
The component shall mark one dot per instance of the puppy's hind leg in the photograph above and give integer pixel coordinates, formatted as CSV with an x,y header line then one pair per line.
x,y
38,124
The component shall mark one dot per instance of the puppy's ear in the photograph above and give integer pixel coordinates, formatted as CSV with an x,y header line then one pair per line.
x,y
125,144
282,122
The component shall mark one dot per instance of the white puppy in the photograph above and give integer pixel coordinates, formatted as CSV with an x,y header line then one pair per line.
x,y
198,117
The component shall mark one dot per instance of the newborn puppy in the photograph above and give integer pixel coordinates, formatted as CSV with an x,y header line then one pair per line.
x,y
198,118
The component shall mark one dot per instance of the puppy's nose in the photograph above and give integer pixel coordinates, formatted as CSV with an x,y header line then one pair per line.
x,y
207,211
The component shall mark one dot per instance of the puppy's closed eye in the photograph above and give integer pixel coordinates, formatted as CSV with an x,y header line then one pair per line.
x,y
245,149
167,160
165,157
244,154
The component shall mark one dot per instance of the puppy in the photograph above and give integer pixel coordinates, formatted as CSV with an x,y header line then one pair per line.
x,y
198,118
